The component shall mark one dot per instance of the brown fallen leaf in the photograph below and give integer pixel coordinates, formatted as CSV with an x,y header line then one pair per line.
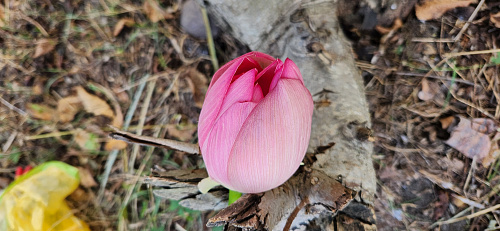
x,y
94,104
67,108
200,83
44,46
42,112
121,96
447,121
115,145
494,153
120,24
182,134
384,30
484,125
472,138
37,89
433,9
155,12
426,93
79,195
429,49
495,19
86,178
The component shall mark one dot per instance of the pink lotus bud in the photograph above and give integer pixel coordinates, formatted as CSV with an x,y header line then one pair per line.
x,y
255,123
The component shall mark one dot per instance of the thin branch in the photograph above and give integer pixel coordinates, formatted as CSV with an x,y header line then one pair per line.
x,y
294,213
449,55
156,142
473,15
12,107
482,212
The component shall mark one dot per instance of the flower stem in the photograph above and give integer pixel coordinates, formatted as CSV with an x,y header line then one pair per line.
x,y
233,196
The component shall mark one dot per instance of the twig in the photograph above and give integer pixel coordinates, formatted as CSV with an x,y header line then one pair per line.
x,y
435,77
480,109
35,23
156,142
50,135
9,141
457,215
449,55
476,214
166,93
142,120
440,182
12,107
468,201
493,192
145,79
112,156
471,18
432,40
294,213
469,176
210,39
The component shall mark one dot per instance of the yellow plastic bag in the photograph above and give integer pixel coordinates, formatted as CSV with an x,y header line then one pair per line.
x,y
35,201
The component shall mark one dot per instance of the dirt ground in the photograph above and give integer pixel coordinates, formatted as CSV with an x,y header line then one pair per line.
x,y
70,68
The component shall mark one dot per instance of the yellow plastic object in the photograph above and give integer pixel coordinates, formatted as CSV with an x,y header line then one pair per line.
x,y
35,201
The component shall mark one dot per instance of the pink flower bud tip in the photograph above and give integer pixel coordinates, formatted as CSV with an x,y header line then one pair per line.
x,y
255,123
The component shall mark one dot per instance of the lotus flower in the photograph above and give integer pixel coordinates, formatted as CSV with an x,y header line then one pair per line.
x,y
255,123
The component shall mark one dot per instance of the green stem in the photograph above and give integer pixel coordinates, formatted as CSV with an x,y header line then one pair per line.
x,y
448,96
210,40
233,196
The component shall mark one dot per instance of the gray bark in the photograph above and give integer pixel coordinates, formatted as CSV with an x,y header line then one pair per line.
x,y
338,167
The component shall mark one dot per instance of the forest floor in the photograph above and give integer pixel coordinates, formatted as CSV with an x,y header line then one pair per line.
x,y
70,68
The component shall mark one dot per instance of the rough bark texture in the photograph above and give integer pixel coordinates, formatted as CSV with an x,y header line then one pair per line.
x,y
339,165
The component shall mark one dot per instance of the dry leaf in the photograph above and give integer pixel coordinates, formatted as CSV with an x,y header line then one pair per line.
x,y
455,165
426,93
86,140
94,104
44,46
79,195
200,83
447,121
37,89
472,139
384,30
121,95
484,125
41,112
67,108
495,19
433,9
429,49
120,24
117,122
494,151
115,145
154,11
182,134
86,178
